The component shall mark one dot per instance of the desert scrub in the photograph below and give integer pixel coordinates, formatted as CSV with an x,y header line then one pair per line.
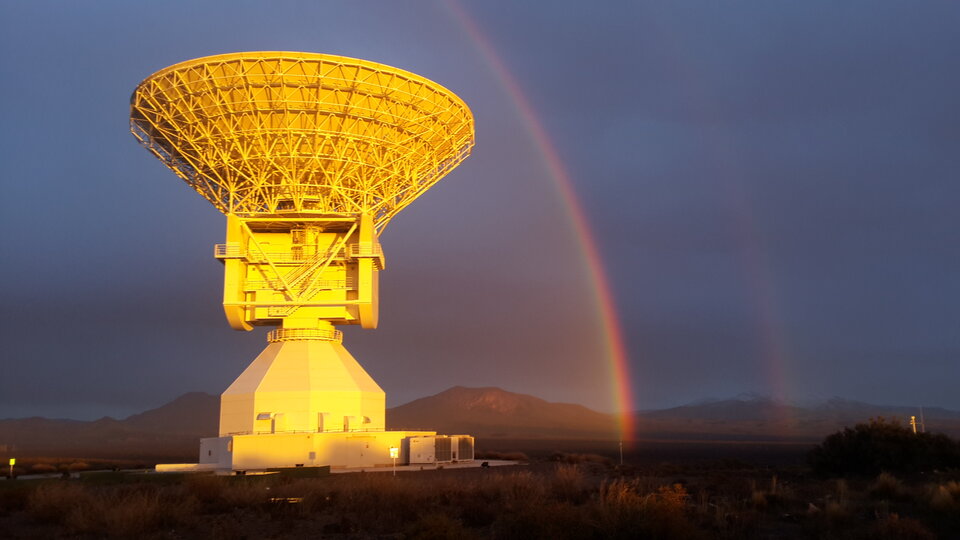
x,y
548,521
894,527
217,494
51,501
548,500
945,497
117,511
438,526
568,483
385,503
519,488
625,511
889,487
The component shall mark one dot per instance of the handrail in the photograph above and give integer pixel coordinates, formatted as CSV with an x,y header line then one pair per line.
x,y
361,430
327,284
367,250
287,256
234,250
364,250
230,250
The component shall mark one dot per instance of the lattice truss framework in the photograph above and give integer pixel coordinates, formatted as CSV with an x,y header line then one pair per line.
x,y
262,133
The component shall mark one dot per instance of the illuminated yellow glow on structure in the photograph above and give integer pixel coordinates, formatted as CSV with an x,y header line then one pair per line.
x,y
309,156
303,385
290,132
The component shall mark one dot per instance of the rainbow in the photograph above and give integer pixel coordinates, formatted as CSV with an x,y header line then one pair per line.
x,y
616,350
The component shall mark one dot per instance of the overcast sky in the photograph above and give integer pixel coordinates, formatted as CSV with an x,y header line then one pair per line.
x,y
773,187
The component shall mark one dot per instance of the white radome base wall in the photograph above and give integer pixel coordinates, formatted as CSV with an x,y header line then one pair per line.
x,y
281,450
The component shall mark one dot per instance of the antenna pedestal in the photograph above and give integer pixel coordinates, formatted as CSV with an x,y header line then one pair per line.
x,y
308,385
309,156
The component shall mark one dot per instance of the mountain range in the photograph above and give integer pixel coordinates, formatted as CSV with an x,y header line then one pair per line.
x,y
172,430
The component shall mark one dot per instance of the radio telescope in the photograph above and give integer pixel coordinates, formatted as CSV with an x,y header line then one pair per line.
x,y
309,156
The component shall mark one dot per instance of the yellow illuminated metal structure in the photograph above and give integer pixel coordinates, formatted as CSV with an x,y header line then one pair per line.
x,y
309,156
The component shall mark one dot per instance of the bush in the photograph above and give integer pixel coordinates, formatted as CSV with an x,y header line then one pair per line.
x,y
887,486
945,497
878,446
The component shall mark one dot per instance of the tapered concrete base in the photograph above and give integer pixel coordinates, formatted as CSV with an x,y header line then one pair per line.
x,y
302,386
308,403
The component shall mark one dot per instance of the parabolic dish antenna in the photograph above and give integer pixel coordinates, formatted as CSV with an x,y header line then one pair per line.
x,y
309,156
289,132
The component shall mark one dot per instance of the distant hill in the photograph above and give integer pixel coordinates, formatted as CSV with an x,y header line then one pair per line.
x,y
171,432
492,412
195,413
752,417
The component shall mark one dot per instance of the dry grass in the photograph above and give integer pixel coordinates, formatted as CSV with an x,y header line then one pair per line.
x,y
569,483
123,511
888,486
625,510
545,500
894,527
945,497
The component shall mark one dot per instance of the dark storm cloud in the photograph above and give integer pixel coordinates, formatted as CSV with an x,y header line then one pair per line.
x,y
810,150
772,186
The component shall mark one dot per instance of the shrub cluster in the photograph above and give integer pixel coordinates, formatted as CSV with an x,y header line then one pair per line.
x,y
868,449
